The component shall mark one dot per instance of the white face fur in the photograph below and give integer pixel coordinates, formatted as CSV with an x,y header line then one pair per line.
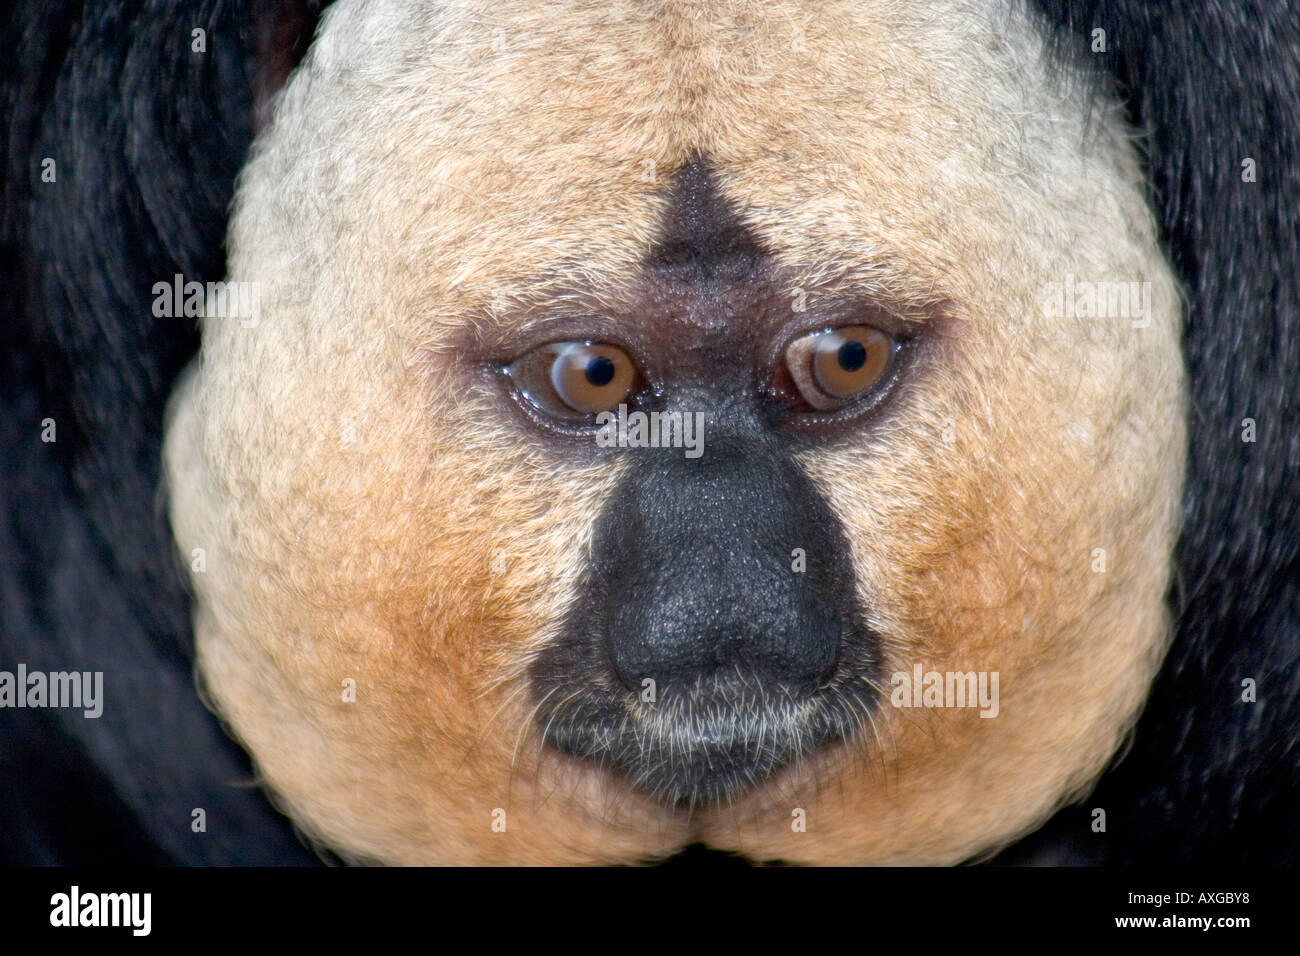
x,y
390,547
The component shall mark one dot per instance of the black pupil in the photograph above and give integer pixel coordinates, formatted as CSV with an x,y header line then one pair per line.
x,y
852,356
600,371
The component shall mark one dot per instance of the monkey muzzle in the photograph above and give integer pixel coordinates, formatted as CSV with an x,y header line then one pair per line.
x,y
717,636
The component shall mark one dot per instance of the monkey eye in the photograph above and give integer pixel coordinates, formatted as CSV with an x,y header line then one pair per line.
x,y
832,367
573,380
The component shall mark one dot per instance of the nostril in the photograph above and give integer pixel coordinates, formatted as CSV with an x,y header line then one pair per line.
x,y
796,649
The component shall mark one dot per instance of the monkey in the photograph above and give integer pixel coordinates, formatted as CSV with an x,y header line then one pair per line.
x,y
816,433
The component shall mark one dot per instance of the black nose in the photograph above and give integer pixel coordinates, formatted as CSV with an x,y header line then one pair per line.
x,y
730,563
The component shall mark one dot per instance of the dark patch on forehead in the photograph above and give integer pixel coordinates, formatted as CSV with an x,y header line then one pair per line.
x,y
702,233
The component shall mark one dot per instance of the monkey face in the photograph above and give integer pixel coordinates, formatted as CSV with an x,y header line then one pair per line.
x,y
462,604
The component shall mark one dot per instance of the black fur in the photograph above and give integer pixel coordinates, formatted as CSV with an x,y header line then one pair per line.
x,y
1210,778
148,138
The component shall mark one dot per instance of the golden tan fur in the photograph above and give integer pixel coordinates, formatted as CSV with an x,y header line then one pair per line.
x,y
435,166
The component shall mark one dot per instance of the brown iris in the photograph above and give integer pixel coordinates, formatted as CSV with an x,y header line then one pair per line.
x,y
574,379
834,366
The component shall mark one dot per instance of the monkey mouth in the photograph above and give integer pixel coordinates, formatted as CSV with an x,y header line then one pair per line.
x,y
707,744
